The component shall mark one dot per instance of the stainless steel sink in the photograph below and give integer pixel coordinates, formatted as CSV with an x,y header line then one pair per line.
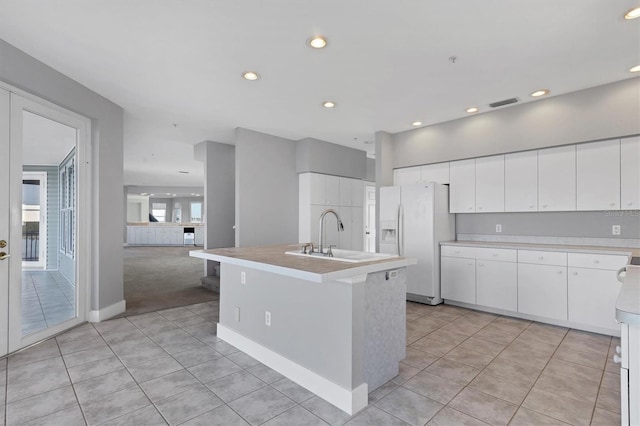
x,y
341,255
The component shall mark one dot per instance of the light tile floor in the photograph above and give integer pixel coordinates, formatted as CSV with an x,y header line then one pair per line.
x,y
462,367
48,298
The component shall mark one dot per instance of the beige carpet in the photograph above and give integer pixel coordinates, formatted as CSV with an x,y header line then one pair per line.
x,y
158,278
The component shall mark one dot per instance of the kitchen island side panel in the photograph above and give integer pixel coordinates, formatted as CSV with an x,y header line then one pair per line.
x,y
311,323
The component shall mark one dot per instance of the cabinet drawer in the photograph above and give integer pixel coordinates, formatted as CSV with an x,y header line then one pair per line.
x,y
458,251
542,257
502,255
597,261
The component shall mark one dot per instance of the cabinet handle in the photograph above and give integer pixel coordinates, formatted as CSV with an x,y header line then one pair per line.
x,y
559,272
469,264
544,206
457,251
575,273
596,261
479,207
470,208
630,203
612,204
617,359
531,206
480,265
495,254
540,257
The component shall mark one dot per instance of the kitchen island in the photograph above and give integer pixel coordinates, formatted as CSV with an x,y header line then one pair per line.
x,y
336,328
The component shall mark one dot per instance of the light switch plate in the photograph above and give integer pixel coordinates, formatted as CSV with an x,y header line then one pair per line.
x,y
498,228
237,311
615,230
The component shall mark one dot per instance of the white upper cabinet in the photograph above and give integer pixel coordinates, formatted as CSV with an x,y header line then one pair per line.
x,y
490,184
557,178
630,173
438,173
317,187
332,190
462,191
598,175
357,192
407,176
521,182
345,191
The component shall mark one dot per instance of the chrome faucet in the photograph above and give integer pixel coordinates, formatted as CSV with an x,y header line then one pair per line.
x,y
321,226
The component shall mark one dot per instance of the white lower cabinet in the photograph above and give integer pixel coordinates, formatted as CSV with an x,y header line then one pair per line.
x,y
542,290
458,279
497,284
592,297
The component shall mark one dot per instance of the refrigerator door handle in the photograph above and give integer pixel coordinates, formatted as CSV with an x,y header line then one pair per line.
x,y
398,230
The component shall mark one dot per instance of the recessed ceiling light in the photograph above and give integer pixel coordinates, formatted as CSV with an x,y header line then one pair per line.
x,y
174,195
143,193
317,42
634,69
417,123
472,110
151,195
541,92
251,75
329,104
633,13
197,195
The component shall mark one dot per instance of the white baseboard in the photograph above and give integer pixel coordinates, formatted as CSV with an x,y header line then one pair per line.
x,y
349,401
108,312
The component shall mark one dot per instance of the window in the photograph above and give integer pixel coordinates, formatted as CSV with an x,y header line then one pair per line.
x,y
68,205
159,211
196,211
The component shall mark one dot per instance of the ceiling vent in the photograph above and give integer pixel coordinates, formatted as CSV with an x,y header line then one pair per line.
x,y
503,103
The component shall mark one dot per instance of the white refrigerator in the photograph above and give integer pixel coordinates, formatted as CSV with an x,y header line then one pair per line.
x,y
414,219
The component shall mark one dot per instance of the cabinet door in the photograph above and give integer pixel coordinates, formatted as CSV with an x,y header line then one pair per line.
x,y
598,175
497,284
630,173
458,279
317,188
407,176
199,236
462,186
345,191
592,297
438,173
344,237
557,178
521,182
332,190
542,290
357,193
143,235
490,184
357,223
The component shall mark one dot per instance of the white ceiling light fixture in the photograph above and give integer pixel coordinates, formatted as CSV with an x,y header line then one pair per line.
x,y
633,13
329,104
472,110
317,42
251,75
417,123
635,69
540,92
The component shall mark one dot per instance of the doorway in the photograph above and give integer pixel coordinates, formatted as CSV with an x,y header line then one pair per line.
x,y
44,238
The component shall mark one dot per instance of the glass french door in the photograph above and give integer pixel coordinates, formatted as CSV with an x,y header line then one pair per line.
x,y
43,179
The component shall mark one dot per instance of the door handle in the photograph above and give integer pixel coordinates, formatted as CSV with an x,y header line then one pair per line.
x,y
4,255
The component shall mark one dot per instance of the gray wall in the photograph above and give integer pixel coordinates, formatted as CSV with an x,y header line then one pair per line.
x,y
53,212
553,224
602,112
266,189
371,170
30,75
383,170
313,155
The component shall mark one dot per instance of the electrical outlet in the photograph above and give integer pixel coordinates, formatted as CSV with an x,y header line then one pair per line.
x,y
267,318
237,309
243,277
615,230
393,274
498,228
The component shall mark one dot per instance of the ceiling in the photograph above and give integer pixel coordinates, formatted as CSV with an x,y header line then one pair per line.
x,y
175,66
45,142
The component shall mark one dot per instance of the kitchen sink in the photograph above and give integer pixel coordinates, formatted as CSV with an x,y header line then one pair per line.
x,y
341,255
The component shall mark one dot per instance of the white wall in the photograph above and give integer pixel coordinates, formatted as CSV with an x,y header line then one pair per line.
x,y
266,189
22,71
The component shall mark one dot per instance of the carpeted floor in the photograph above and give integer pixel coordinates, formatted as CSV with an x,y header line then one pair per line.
x,y
158,278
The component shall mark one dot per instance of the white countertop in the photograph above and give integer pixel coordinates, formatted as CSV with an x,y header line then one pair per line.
x,y
547,247
273,259
628,302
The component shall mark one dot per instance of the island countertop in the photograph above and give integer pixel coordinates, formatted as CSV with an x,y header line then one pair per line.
x,y
274,259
